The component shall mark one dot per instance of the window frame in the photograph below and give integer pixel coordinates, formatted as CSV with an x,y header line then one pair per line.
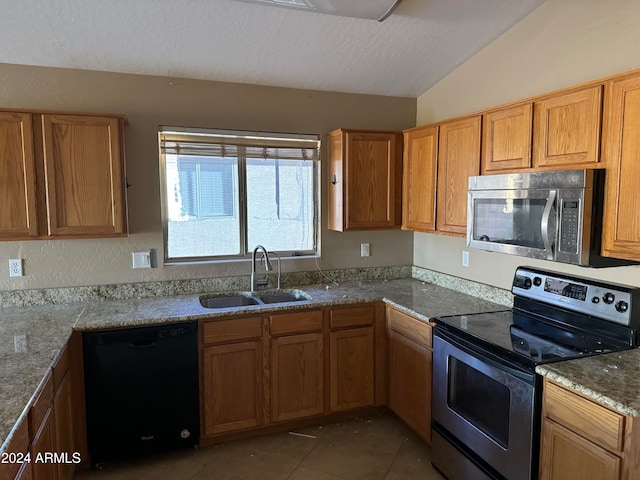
x,y
253,137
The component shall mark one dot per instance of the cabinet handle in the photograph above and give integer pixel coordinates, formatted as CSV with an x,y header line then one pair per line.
x,y
334,180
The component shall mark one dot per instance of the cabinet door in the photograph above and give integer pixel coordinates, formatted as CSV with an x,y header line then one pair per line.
x,y
64,418
566,455
231,387
506,139
419,186
297,379
458,158
18,217
84,174
621,232
25,473
410,366
373,181
567,130
43,443
351,368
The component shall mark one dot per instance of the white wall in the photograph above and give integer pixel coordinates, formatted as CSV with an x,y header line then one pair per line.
x,y
562,43
150,102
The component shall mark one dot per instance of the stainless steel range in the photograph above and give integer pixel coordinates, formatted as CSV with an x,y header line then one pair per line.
x,y
486,395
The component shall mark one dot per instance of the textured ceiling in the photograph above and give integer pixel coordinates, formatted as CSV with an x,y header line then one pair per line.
x,y
240,42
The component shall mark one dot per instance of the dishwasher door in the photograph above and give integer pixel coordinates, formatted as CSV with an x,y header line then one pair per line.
x,y
141,390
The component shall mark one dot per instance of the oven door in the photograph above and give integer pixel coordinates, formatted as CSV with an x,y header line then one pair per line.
x,y
487,407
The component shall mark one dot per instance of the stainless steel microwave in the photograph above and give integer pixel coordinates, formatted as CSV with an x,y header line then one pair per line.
x,y
553,216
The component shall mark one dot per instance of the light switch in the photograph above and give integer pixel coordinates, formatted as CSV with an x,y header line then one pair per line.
x,y
364,249
141,259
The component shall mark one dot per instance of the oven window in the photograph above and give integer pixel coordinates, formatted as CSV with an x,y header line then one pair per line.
x,y
481,400
511,221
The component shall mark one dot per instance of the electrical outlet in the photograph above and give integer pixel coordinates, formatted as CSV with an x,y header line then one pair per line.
x,y
465,258
20,343
365,249
15,267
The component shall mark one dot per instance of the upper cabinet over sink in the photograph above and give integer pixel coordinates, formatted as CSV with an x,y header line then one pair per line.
x,y
62,176
364,180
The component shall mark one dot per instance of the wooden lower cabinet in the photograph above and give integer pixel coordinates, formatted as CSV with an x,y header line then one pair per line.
x,y
42,443
585,440
297,377
352,368
566,455
25,472
231,374
410,382
63,421
410,370
231,387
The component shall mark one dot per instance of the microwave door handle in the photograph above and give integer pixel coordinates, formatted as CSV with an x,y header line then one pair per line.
x,y
544,224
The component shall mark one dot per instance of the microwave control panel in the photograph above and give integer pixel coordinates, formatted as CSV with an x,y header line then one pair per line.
x,y
570,228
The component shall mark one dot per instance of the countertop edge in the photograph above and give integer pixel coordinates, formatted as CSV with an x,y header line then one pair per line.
x,y
587,392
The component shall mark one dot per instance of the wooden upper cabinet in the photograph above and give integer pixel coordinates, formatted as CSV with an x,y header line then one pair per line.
x,y
458,158
364,180
62,176
420,180
84,175
567,129
506,139
18,215
621,151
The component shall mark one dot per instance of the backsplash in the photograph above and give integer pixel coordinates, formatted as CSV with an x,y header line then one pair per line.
x,y
487,292
121,291
44,296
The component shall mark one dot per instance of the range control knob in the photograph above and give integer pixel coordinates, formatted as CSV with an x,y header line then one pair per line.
x,y
595,300
608,298
537,281
521,281
622,306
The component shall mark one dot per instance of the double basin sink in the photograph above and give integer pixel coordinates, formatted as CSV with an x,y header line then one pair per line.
x,y
245,299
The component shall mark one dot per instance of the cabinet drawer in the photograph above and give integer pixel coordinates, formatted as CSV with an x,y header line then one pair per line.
x,y
352,316
229,330
285,323
584,417
41,405
411,327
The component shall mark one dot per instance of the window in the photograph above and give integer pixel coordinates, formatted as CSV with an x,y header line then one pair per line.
x,y
224,192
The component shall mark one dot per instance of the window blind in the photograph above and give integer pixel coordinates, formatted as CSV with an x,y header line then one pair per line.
x,y
252,145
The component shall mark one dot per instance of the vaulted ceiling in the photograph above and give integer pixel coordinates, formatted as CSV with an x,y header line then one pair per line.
x,y
230,41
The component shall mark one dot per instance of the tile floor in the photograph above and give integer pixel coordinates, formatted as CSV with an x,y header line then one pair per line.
x,y
375,448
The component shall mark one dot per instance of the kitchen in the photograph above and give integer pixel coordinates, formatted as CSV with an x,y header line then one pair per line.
x,y
540,54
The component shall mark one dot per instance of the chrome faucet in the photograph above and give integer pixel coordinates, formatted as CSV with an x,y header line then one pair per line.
x,y
279,268
255,283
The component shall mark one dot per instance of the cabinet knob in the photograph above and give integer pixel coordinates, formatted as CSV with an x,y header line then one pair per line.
x,y
334,180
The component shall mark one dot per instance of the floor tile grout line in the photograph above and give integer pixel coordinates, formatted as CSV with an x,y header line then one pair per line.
x,y
395,457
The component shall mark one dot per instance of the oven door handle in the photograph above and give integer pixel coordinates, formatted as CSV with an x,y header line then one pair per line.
x,y
484,355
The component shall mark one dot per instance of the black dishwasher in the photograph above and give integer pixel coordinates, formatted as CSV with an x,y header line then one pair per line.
x,y
141,390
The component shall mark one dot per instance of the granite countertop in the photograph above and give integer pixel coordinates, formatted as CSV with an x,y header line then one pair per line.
x,y
611,379
48,327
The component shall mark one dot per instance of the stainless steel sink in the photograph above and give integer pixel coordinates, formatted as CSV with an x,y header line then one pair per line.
x,y
246,299
285,297
228,301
